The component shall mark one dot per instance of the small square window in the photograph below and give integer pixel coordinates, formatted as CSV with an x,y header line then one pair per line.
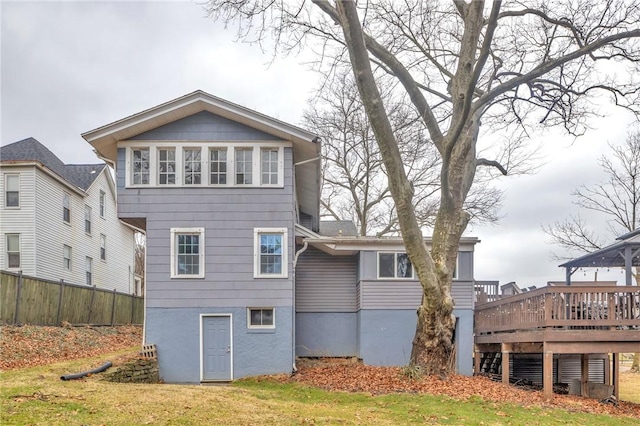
x,y
261,317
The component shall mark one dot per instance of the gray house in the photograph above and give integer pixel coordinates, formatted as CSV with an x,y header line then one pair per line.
x,y
242,277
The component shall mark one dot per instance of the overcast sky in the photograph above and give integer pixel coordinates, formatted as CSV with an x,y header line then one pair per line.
x,y
70,67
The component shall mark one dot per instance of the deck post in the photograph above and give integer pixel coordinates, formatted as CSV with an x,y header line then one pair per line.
x,y
476,360
616,375
584,375
547,372
506,350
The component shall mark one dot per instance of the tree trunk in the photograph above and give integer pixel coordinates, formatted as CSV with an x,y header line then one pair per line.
x,y
635,366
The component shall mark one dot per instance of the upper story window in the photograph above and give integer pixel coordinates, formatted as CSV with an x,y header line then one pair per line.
x,y
270,253
192,166
244,166
394,265
13,250
103,204
66,257
218,166
247,164
12,190
140,166
87,219
187,252
66,207
166,166
269,166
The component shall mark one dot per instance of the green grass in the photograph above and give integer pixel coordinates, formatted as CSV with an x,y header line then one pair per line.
x,y
37,396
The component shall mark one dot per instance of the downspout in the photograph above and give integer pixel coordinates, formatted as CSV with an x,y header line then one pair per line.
x,y
293,327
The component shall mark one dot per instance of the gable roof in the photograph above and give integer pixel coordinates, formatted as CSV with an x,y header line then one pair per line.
x,y
612,255
31,150
338,228
306,145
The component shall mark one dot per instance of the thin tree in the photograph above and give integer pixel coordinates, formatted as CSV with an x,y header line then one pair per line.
x,y
616,200
460,64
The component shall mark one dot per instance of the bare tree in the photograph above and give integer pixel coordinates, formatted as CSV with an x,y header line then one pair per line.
x,y
460,63
617,200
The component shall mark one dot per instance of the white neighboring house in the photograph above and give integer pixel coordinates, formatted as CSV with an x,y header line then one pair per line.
x,y
60,222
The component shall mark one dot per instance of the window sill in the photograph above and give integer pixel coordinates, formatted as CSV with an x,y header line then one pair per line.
x,y
270,277
186,277
261,330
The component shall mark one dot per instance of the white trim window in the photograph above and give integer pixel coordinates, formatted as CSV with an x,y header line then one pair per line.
x,y
394,265
66,257
187,252
270,253
218,166
87,219
103,247
140,162
166,166
13,251
66,208
103,204
261,318
192,165
12,190
88,268
244,166
269,166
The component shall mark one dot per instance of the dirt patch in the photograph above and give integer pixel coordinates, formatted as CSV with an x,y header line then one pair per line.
x,y
29,345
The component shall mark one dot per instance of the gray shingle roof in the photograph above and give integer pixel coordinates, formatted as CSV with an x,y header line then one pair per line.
x,y
338,228
30,149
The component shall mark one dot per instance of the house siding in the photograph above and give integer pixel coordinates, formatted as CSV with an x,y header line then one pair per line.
x,y
19,221
325,283
204,126
254,352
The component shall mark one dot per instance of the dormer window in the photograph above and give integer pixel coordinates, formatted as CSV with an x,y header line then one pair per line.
x,y
140,166
218,166
244,166
166,166
192,166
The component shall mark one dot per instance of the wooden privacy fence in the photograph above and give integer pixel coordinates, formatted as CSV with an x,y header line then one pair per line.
x,y
29,300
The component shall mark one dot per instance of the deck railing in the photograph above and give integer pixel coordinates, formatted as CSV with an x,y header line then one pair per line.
x,y
572,307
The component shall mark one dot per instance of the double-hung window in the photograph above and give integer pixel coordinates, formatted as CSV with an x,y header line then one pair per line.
x,y
270,252
103,204
88,262
269,166
87,219
13,250
66,207
394,265
66,257
192,166
244,166
140,166
167,166
187,252
218,166
261,317
12,190
103,247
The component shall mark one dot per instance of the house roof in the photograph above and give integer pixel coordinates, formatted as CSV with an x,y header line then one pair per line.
x,y
338,228
31,150
306,145
612,256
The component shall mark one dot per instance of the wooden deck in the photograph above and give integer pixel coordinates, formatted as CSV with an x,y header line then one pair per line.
x,y
562,320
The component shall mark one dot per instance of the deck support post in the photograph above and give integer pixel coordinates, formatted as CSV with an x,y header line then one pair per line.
x,y
616,375
506,350
547,372
476,360
584,375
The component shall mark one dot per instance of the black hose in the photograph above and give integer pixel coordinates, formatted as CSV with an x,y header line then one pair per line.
x,y
86,373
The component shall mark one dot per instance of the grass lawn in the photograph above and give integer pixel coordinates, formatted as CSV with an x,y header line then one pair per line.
x,y
38,396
